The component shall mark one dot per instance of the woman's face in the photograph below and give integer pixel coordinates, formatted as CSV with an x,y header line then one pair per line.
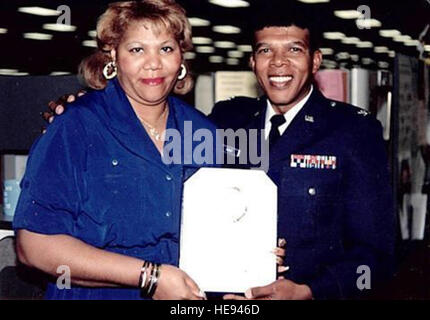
x,y
148,64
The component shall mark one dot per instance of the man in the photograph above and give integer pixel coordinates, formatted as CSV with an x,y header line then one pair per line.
x,y
329,163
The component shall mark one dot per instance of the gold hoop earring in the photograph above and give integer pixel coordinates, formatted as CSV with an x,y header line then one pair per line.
x,y
183,73
111,66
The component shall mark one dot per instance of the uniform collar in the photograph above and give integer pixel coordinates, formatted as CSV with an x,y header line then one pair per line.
x,y
289,115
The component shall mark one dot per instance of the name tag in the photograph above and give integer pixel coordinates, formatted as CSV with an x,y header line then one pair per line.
x,y
306,161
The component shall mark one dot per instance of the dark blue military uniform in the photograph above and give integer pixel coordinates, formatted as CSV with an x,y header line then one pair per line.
x,y
335,201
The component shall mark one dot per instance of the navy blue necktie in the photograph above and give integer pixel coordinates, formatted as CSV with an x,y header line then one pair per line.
x,y
277,120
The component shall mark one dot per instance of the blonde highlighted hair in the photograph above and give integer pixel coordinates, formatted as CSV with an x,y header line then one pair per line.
x,y
113,24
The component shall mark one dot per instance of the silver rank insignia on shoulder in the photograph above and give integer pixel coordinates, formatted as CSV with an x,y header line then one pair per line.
x,y
363,112
306,161
309,119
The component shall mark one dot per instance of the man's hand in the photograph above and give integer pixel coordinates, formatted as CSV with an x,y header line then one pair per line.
x,y
58,107
281,289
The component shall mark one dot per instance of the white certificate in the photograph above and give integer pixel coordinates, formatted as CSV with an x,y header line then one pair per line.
x,y
228,229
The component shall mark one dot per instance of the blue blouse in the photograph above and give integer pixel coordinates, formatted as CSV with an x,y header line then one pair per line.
x,y
96,175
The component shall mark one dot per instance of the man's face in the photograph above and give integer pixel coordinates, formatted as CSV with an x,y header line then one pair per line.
x,y
283,64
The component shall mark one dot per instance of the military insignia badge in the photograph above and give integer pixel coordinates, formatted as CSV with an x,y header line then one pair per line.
x,y
313,161
363,112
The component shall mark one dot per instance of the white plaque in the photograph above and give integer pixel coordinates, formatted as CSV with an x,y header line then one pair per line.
x,y
228,229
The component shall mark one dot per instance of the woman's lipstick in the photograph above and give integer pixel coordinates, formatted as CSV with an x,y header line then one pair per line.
x,y
153,81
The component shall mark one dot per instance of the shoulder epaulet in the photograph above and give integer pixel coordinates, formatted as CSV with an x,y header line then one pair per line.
x,y
351,109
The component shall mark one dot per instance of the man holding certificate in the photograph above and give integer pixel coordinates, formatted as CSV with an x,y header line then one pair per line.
x,y
329,163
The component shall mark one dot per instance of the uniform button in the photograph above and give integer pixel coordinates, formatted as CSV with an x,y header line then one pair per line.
x,y
168,214
333,104
312,191
114,162
168,177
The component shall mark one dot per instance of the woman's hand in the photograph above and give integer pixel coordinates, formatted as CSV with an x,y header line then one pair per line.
x,y
175,284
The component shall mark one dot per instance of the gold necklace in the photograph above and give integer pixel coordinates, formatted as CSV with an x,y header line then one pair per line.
x,y
151,129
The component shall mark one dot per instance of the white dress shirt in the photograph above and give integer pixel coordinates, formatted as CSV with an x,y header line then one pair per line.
x,y
289,115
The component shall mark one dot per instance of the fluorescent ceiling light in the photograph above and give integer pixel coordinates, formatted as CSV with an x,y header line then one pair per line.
x,y
9,70
367,61
39,11
224,44
235,54
90,43
411,43
205,49
383,64
216,59
230,3
59,27
59,73
427,48
368,23
355,57
327,51
12,72
392,54
226,29
350,40
381,49
402,38
364,44
202,40
342,55
3,30
334,35
92,33
329,62
347,14
189,55
244,48
37,36
314,1
199,22
232,61
389,33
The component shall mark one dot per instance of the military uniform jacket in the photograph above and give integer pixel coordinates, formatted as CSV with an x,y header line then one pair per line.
x,y
335,206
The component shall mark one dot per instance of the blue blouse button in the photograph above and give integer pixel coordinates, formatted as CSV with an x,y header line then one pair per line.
x,y
114,162
168,214
168,177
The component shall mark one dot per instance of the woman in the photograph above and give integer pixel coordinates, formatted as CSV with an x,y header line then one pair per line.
x,y
97,202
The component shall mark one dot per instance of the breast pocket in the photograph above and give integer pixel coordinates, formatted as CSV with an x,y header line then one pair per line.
x,y
116,197
308,200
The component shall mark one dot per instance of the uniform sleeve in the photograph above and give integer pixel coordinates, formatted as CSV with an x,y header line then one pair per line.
x,y
53,187
369,219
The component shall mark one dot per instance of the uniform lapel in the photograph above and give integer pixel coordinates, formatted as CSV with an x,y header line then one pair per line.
x,y
306,128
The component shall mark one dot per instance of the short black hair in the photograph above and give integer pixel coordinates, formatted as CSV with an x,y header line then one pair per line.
x,y
273,13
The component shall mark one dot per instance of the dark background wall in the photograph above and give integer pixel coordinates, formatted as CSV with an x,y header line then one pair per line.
x,y
21,101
